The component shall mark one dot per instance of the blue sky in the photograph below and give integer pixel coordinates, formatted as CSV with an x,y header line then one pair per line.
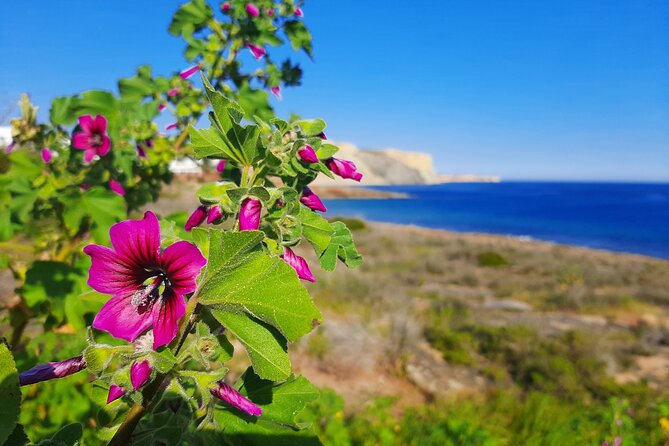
x,y
526,90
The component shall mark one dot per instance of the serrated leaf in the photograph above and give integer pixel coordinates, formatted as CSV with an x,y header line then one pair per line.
x,y
265,346
242,277
61,111
326,151
204,381
69,435
103,207
11,395
341,247
311,127
190,17
315,229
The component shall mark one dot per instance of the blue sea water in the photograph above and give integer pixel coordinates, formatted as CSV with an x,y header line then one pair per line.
x,y
615,216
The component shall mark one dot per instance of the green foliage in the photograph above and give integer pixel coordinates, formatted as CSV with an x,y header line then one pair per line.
x,y
492,259
11,396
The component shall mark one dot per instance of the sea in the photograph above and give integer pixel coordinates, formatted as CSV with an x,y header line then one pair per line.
x,y
624,217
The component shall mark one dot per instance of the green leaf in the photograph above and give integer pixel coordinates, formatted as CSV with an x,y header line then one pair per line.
x,y
61,111
326,151
190,17
69,435
137,87
265,346
18,437
241,277
311,127
211,142
9,393
315,229
96,102
342,248
204,381
48,284
299,36
103,207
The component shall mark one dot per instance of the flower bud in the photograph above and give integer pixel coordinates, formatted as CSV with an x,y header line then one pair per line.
x,y
225,7
276,91
298,12
299,265
257,51
312,201
307,154
235,399
173,92
116,187
344,168
249,215
188,72
52,370
196,218
139,373
220,167
322,135
46,155
214,215
115,392
252,10
270,12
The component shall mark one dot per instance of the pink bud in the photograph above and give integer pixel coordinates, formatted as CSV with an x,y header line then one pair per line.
x,y
10,148
270,12
312,201
115,392
84,187
173,92
226,7
299,265
116,187
139,373
46,155
344,168
172,126
235,399
220,167
161,107
617,441
249,215
188,72
321,135
214,215
252,10
276,91
257,51
196,218
307,154
298,12
52,370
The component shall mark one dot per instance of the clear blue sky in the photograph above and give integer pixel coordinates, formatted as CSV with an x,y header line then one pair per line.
x,y
566,89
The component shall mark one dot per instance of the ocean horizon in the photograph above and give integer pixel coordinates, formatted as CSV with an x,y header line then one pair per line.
x,y
630,217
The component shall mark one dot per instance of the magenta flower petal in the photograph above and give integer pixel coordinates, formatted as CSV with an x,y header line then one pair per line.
x,y
188,72
115,392
307,154
166,315
270,12
252,10
92,138
172,126
161,107
257,51
46,155
137,242
298,12
99,124
235,399
226,7
80,141
299,265
139,373
312,201
322,135
123,319
196,218
182,263
52,370
343,168
89,155
116,187
276,91
104,147
214,214
173,92
86,123
249,215
108,273
220,167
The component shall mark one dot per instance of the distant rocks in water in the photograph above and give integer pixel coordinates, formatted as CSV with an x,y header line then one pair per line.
x,y
393,166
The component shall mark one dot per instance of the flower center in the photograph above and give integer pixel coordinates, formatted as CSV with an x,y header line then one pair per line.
x,y
95,139
149,292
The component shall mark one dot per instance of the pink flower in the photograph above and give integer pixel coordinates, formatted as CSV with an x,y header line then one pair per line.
x,y
252,10
312,201
196,218
172,126
116,187
139,373
220,167
270,12
148,285
257,51
617,441
249,215
115,392
46,155
173,92
307,154
10,148
188,72
214,215
161,106
92,137
52,370
343,168
299,264
226,7
235,399
321,135
298,12
276,91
